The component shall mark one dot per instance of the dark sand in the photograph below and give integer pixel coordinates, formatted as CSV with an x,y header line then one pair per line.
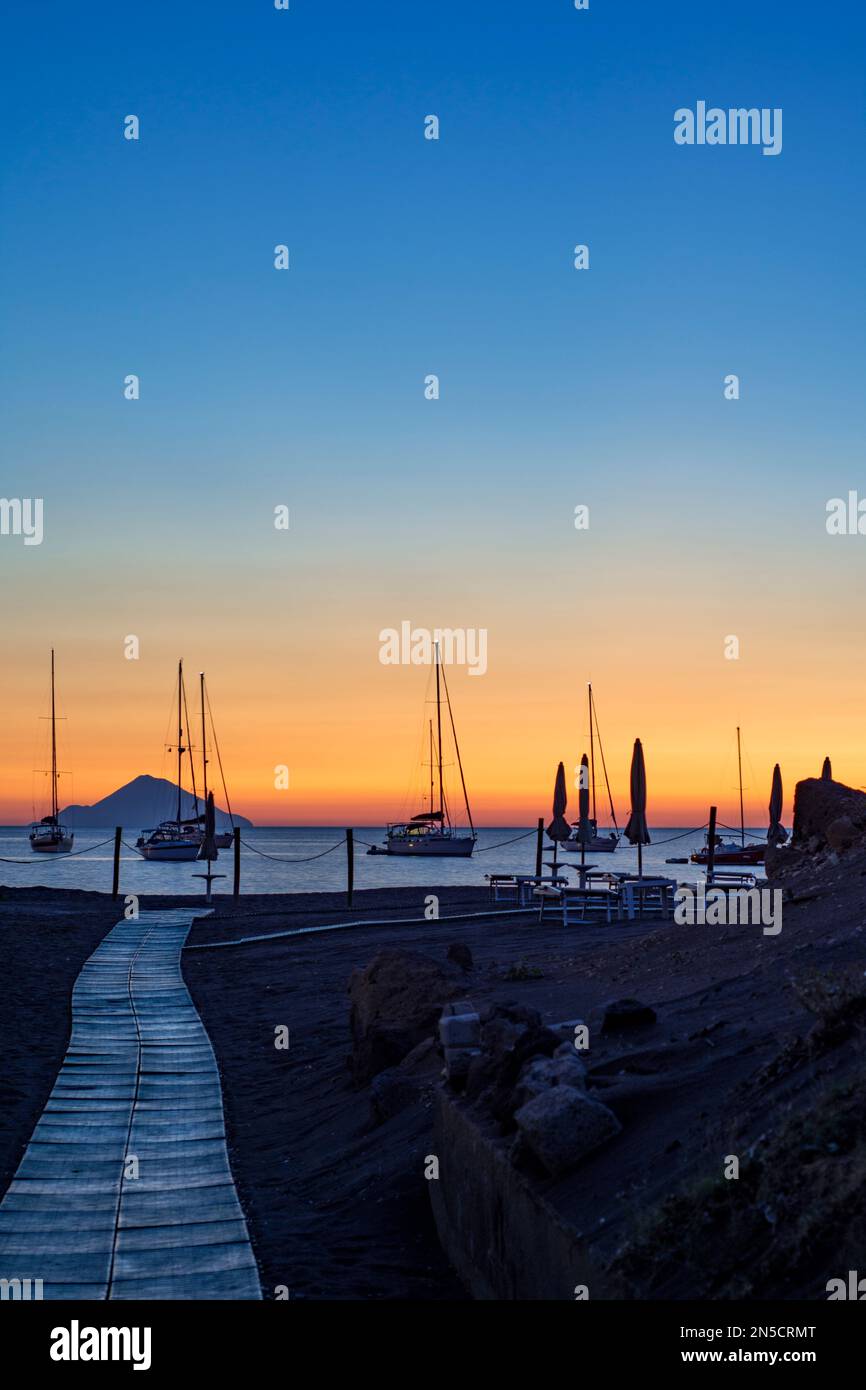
x,y
338,1207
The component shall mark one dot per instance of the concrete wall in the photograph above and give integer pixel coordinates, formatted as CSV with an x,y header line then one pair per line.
x,y
501,1236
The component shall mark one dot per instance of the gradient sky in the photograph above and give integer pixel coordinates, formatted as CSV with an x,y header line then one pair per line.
x,y
558,387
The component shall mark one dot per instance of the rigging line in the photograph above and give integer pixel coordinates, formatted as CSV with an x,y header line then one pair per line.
x,y
735,829
457,751
604,768
219,759
189,747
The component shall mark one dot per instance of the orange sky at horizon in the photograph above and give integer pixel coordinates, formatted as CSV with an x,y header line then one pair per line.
x,y
352,744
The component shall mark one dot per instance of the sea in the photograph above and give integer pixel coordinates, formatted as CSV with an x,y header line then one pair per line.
x,y
310,859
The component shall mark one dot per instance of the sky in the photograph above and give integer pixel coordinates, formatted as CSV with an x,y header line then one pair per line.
x,y
558,388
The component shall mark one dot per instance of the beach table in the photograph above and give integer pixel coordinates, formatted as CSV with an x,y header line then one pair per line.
x,y
583,905
647,897
519,888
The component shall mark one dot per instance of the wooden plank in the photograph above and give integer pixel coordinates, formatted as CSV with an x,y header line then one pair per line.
x,y
139,1081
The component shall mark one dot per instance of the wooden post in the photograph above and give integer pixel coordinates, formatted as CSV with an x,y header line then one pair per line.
x,y
115,883
236,837
539,846
350,865
711,844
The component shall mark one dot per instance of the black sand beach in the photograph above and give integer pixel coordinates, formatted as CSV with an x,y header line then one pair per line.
x,y
756,1050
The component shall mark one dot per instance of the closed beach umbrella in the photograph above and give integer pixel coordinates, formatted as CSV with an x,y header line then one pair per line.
x,y
636,832
584,824
559,828
826,771
208,848
585,827
777,834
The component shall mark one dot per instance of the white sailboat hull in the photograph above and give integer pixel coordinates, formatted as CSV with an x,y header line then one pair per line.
x,y
169,852
426,847
62,846
600,845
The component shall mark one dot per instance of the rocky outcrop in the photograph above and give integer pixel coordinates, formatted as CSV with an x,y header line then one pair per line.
x,y
818,805
396,1001
829,821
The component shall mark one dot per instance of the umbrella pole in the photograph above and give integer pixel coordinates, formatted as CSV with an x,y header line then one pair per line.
x,y
639,860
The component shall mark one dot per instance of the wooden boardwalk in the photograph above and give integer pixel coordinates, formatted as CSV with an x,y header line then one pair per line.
x,y
125,1190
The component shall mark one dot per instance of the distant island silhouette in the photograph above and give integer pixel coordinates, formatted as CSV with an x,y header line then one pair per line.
x,y
142,803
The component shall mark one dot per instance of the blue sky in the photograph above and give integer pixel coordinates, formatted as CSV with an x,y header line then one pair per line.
x,y
410,257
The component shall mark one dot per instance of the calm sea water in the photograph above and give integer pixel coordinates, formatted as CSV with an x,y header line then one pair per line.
x,y
285,874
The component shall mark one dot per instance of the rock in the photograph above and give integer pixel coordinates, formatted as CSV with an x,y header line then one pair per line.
x,y
624,1014
460,954
842,833
460,1030
458,1061
390,1092
565,1030
544,1072
818,803
421,1058
562,1125
396,1001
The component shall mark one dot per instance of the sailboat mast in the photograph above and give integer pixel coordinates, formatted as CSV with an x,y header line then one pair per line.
x,y
53,746
203,740
439,738
459,759
431,767
740,772
179,732
591,753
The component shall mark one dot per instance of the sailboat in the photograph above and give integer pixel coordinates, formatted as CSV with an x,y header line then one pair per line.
x,y
48,836
430,833
222,838
601,842
728,851
176,839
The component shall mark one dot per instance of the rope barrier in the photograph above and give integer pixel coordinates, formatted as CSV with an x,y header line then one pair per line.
x,y
73,854
288,859
670,839
525,836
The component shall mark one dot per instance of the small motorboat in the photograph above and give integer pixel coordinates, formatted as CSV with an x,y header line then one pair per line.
x,y
729,852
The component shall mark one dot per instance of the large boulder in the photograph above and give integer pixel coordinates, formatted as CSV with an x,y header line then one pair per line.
x,y
395,1003
818,805
561,1125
